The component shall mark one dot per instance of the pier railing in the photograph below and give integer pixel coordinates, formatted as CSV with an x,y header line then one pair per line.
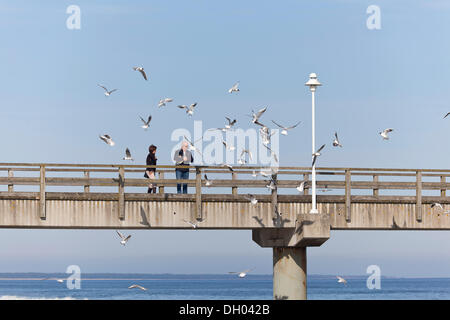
x,y
349,182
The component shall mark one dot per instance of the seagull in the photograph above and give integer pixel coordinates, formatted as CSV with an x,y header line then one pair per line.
x,y
193,224
60,280
336,141
128,155
257,115
107,139
190,109
234,88
316,154
124,239
229,147
265,136
272,185
438,205
230,123
225,165
141,70
146,123
385,132
446,115
285,129
137,287
341,280
163,102
273,154
107,93
244,151
252,199
242,161
241,274
301,186
207,181
192,147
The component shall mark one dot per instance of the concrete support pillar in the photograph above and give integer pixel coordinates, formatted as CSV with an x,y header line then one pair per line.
x,y
289,273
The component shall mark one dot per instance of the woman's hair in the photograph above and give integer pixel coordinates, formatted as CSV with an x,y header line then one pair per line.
x,y
152,148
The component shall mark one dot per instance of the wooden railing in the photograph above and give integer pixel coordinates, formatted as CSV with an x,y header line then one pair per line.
x,y
239,177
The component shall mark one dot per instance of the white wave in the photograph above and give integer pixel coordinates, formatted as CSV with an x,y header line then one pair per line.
x,y
34,298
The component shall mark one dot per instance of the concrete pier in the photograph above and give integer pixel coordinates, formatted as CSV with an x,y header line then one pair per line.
x,y
289,273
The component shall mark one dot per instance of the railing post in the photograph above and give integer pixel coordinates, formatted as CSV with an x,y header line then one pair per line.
x,y
198,193
348,188
234,190
42,208
419,196
121,204
375,190
86,187
306,179
443,190
10,185
161,188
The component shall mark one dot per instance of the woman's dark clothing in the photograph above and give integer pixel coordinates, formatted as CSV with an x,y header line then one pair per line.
x,y
151,161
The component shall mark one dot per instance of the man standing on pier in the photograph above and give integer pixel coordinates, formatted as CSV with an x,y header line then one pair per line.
x,y
182,157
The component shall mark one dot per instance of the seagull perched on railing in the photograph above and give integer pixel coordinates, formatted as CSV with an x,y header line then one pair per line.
x,y
316,154
163,102
190,109
146,123
336,142
284,130
141,70
124,239
128,155
234,88
108,140
207,181
133,286
301,186
385,132
107,93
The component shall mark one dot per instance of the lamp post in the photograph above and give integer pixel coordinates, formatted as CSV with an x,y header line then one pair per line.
x,y
312,84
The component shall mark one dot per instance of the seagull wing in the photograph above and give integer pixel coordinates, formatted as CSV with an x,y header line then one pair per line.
x,y
120,234
446,115
260,112
279,125
104,88
292,127
320,149
143,74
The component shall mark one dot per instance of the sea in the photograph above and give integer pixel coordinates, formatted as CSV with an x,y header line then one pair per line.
x,y
31,286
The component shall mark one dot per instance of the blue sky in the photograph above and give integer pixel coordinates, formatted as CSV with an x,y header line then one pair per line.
x,y
53,110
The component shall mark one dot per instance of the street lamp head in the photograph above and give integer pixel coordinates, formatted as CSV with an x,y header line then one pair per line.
x,y
313,82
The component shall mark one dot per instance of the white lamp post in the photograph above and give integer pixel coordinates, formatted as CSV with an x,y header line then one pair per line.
x,y
312,84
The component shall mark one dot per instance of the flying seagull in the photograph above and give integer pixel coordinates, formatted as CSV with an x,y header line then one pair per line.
x,y
336,142
192,146
193,224
137,287
257,115
316,154
341,280
190,109
128,155
107,93
252,199
124,239
385,132
234,88
284,130
141,70
229,147
146,123
163,102
230,123
241,274
107,139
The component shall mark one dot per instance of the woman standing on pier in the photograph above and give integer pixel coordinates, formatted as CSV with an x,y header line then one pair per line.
x,y
150,172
